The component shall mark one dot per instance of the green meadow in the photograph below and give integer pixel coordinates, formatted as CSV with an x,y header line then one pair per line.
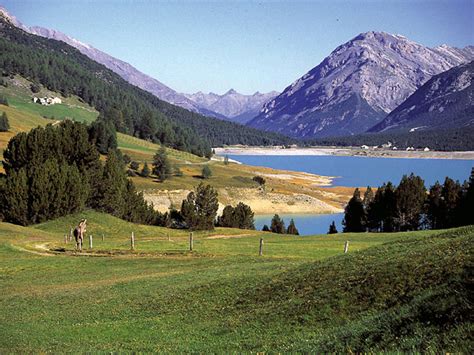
x,y
399,291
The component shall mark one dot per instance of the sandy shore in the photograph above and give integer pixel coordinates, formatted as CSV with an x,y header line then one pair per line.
x,y
324,151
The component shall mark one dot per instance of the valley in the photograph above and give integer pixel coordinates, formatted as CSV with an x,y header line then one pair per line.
x,y
324,205
285,192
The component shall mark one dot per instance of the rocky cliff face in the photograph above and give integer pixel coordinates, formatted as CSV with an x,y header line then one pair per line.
x,y
445,101
236,107
356,86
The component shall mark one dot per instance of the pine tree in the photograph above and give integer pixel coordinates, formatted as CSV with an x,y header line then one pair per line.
x,y
332,228
265,228
4,124
145,171
368,198
188,210
450,195
206,172
410,196
277,225
161,165
466,203
381,211
433,207
199,209
243,216
103,135
227,217
354,214
14,198
113,186
292,228
206,207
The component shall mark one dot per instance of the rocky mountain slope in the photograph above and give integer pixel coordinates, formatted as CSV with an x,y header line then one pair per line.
x,y
445,101
232,105
125,70
356,86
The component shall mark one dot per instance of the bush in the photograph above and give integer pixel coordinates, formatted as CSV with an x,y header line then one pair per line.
x,y
134,165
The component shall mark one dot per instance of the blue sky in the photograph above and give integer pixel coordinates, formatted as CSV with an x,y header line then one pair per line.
x,y
246,45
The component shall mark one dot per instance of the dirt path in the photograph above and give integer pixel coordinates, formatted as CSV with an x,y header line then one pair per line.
x,y
229,236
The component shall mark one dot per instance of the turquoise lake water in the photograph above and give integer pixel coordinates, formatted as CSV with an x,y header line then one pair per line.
x,y
354,171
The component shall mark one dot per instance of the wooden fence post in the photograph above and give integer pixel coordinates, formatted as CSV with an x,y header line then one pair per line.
x,y
90,241
65,238
70,234
102,237
191,241
260,251
132,241
346,246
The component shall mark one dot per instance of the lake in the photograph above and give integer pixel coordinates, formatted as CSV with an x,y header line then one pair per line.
x,y
307,224
361,171
354,171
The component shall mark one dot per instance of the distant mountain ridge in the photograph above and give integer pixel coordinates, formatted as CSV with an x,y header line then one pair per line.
x,y
236,107
445,101
356,86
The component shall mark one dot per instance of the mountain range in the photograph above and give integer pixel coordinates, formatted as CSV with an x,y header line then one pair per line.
x,y
368,84
356,86
231,106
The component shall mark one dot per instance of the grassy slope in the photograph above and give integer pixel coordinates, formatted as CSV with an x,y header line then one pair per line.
x,y
304,294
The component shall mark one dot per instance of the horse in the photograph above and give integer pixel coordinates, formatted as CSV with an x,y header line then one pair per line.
x,y
79,233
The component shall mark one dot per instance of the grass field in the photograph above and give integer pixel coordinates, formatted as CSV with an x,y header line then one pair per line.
x,y
403,291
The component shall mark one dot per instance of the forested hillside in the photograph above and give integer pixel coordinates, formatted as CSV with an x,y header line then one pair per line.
x,y
459,139
61,68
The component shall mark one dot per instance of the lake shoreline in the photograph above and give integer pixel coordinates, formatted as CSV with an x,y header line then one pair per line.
x,y
350,151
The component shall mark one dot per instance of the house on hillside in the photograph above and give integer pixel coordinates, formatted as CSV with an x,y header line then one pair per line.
x,y
426,149
46,101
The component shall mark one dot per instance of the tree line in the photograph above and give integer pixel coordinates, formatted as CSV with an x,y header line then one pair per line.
x,y
53,171
454,139
410,206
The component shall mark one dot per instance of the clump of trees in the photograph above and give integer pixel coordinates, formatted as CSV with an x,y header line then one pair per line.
x,y
332,228
4,124
240,216
277,225
199,209
103,135
53,171
409,206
